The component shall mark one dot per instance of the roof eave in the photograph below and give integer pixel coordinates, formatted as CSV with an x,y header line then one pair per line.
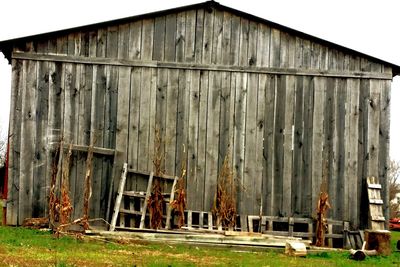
x,y
7,45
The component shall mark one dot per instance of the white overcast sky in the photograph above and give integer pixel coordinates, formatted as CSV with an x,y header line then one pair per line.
x,y
368,26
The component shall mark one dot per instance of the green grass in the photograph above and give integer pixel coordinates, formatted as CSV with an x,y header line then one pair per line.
x,y
25,247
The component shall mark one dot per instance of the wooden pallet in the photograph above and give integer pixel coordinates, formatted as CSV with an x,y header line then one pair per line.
x,y
376,219
136,213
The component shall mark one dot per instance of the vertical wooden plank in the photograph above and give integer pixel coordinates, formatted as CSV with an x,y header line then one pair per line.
x,y
180,37
226,38
235,40
28,139
274,54
122,42
172,129
41,160
363,144
133,130
193,140
97,134
340,146
144,122
298,146
330,143
243,42
225,117
260,162
315,56
121,145
306,54
62,45
353,86
170,37
14,141
269,145
264,34
153,109
135,40
159,38
213,107
202,142
249,203
252,52
84,126
71,107
308,107
84,43
216,57
207,36
110,125
198,49
288,145
284,50
317,137
190,35
101,42
161,109
240,131
299,52
384,141
182,117
279,146
147,39
373,128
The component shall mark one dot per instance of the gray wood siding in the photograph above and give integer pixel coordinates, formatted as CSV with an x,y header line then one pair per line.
x,y
282,129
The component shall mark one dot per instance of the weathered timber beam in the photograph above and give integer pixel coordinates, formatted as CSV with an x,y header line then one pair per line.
x,y
163,176
195,66
96,150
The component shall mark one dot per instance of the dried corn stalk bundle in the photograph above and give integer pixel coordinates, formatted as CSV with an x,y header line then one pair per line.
x,y
225,199
322,208
53,199
65,203
156,199
179,203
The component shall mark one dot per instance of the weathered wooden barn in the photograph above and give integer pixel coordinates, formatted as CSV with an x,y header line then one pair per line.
x,y
290,108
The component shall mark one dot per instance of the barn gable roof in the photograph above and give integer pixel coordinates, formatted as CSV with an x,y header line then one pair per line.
x,y
7,45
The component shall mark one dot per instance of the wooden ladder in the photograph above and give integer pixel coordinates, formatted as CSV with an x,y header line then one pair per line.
x,y
120,212
376,220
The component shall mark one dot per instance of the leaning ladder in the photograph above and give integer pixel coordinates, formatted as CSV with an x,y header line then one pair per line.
x,y
121,193
376,220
